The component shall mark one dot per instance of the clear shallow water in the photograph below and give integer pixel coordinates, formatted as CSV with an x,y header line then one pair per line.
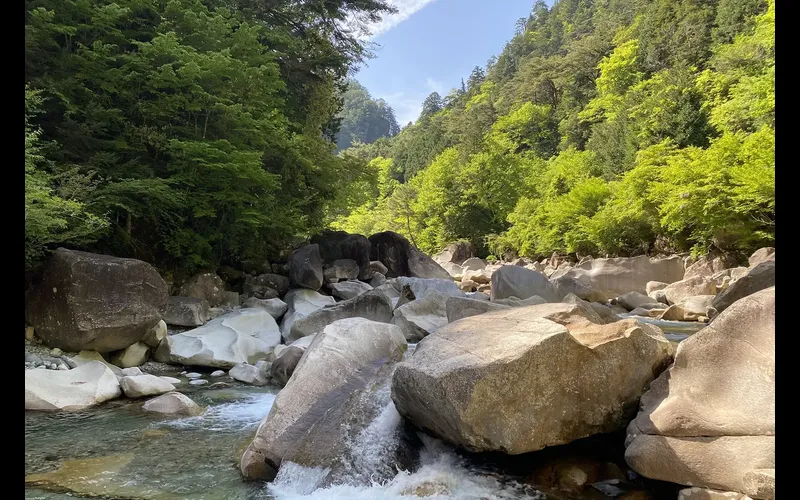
x,y
116,451
675,331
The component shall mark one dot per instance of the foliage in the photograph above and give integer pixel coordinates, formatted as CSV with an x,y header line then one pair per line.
x,y
203,126
620,127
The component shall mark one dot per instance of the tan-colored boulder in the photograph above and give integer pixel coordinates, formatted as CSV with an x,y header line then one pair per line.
x,y
679,291
710,419
133,355
173,404
515,382
620,275
761,255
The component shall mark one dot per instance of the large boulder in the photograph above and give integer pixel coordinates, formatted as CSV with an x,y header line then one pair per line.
x,y
761,255
516,281
357,351
708,266
757,278
632,300
240,336
94,302
679,291
514,382
341,269
349,289
305,267
266,286
473,264
709,420
423,316
144,385
373,305
275,307
616,276
455,253
335,245
463,307
172,404
56,390
205,286
515,302
565,286
420,286
186,311
302,302
401,258
454,270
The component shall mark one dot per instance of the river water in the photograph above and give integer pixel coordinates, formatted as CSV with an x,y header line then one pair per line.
x,y
117,451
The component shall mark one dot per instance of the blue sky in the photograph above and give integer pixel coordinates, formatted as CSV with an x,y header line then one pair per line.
x,y
431,44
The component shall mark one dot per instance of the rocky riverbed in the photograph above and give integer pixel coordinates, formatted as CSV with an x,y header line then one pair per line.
x,y
362,368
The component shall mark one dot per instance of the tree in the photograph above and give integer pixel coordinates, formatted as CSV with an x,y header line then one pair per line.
x,y
431,105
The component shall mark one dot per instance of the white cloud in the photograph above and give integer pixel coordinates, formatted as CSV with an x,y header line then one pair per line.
x,y
434,85
406,107
405,9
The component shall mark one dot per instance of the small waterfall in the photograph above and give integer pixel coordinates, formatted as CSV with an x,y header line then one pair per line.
x,y
369,473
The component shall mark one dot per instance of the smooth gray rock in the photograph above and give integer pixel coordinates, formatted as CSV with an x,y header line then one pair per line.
x,y
373,305
516,281
187,311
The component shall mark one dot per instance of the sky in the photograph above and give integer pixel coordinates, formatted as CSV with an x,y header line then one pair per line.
x,y
430,45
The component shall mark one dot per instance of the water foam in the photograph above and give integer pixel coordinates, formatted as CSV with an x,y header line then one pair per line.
x,y
442,475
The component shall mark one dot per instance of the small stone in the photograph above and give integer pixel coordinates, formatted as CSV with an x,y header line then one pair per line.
x,y
218,373
183,372
171,380
41,367
193,375
28,333
63,367
198,382
55,352
53,366
702,319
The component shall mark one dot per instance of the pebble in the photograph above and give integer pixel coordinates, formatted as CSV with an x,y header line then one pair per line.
x,y
171,380
218,373
41,367
183,372
53,366
198,382
193,375
63,367
56,352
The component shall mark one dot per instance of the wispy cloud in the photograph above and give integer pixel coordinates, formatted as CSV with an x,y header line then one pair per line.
x,y
406,107
434,85
405,9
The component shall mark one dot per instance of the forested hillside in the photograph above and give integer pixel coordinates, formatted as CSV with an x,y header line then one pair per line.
x,y
186,133
617,127
364,119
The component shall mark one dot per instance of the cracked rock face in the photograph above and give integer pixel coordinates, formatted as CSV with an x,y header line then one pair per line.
x,y
520,379
710,419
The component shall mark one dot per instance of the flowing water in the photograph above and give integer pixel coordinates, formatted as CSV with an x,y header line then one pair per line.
x,y
676,331
117,451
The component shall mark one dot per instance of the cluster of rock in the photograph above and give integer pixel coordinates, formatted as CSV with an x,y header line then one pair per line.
x,y
510,358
